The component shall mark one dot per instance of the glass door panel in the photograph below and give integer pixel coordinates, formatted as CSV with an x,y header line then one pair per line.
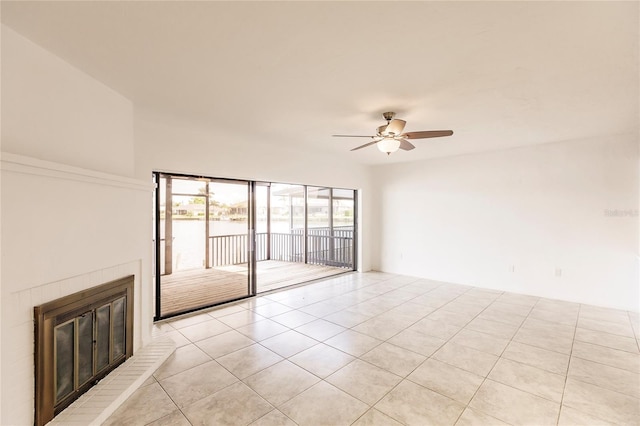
x,y
203,242
280,226
263,251
320,228
187,233
229,227
343,210
287,223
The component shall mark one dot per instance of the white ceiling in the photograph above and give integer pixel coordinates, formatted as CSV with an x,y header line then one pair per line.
x,y
500,74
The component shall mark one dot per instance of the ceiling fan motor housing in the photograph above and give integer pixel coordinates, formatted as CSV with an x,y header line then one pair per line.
x,y
388,115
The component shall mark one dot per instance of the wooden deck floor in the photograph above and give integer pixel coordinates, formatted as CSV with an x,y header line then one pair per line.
x,y
187,290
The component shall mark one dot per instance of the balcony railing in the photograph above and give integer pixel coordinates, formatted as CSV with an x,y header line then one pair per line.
x,y
321,248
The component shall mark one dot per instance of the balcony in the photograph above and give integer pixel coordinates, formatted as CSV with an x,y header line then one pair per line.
x,y
282,259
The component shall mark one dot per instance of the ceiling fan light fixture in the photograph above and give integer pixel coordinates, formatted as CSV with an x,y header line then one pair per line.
x,y
388,145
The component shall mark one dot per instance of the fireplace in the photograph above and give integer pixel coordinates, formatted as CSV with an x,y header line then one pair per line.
x,y
79,339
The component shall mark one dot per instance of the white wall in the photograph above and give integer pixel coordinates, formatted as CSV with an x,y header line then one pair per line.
x,y
514,219
169,145
66,224
59,113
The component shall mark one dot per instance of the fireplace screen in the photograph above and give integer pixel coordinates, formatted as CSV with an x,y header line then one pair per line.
x,y
79,339
86,345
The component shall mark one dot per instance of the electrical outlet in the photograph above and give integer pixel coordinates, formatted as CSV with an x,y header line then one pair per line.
x,y
512,268
558,272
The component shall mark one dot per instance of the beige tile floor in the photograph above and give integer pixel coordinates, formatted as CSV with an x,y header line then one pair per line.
x,y
383,349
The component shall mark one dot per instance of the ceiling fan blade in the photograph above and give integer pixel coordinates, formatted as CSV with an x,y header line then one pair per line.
x,y
365,145
352,136
406,145
395,127
427,134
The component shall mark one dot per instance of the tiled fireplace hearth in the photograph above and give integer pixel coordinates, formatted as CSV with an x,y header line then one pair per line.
x,y
102,400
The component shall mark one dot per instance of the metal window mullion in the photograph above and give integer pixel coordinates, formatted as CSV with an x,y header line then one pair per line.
x,y
206,227
268,222
354,242
111,310
252,276
306,223
158,256
168,226
331,247
76,347
94,352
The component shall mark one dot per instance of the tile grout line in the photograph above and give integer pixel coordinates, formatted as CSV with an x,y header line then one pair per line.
x,y
566,377
427,358
402,378
193,402
600,363
371,406
321,379
485,378
633,329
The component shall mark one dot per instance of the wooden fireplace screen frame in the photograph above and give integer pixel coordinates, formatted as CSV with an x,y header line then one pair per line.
x,y
49,315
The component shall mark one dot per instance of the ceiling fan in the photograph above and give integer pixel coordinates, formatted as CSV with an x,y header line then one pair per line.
x,y
389,137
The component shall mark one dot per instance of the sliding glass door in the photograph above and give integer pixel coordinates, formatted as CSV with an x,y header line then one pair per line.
x,y
202,242
219,240
312,234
